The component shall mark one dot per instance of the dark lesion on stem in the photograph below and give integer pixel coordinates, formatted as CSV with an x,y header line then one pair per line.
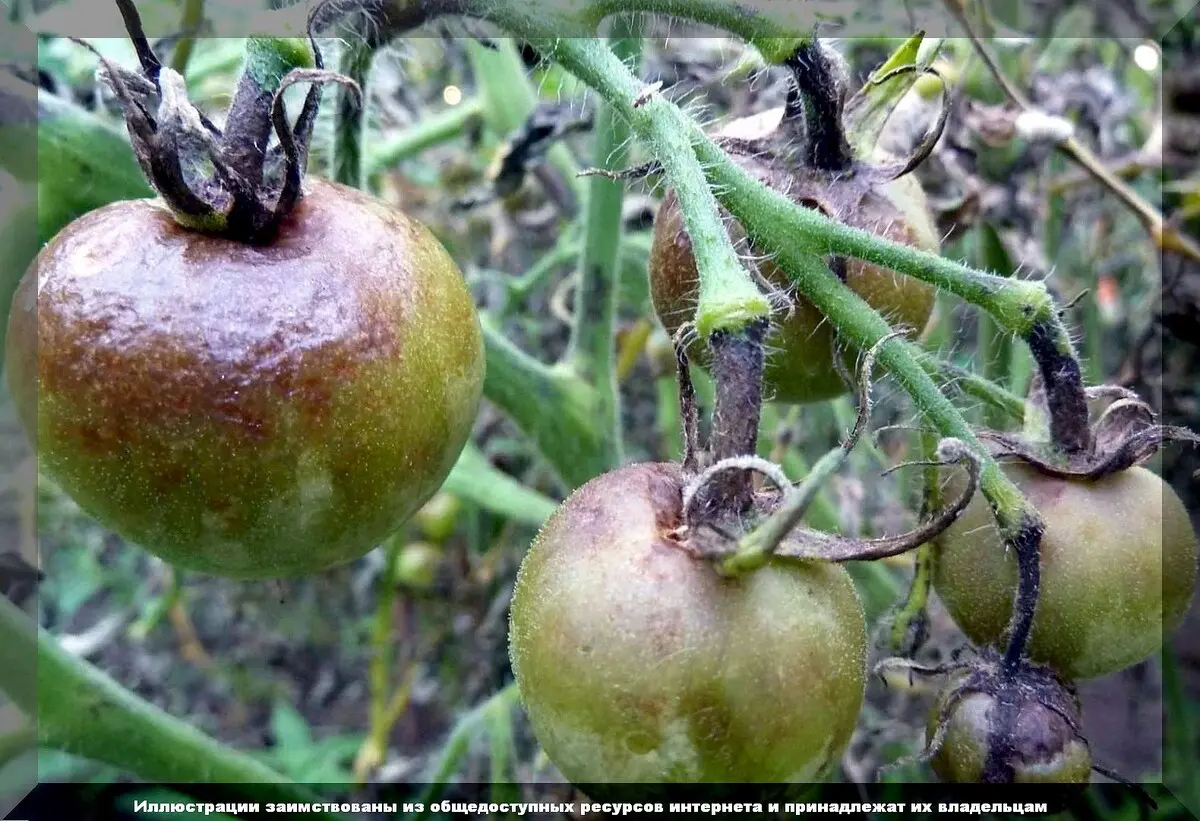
x,y
1062,381
738,360
816,99
1026,544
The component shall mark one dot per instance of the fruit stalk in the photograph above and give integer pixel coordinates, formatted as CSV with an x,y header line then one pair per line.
x,y
738,359
815,101
268,61
1062,380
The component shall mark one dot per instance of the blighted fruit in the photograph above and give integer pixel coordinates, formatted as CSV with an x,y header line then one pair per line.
x,y
248,410
1118,561
638,663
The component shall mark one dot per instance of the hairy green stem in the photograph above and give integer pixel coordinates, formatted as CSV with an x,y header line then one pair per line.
x,y
82,711
728,300
1005,403
590,352
551,405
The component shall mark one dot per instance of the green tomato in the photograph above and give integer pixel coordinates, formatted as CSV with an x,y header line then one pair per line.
x,y
417,565
1118,560
438,517
248,411
638,663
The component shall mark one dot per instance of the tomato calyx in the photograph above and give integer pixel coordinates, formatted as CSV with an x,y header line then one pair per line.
x,y
1125,434
739,527
251,188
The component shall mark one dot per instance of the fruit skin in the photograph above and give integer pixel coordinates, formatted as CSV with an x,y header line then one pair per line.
x,y
1045,749
637,663
1118,569
248,411
800,365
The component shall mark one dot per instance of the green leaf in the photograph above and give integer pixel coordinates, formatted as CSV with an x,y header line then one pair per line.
x,y
868,111
289,728
475,479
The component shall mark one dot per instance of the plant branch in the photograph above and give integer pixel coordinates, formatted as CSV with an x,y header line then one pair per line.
x,y
427,132
590,352
80,710
550,404
477,480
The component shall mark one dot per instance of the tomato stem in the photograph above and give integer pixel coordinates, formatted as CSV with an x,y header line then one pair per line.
x,y
737,367
590,351
1062,381
80,710
816,99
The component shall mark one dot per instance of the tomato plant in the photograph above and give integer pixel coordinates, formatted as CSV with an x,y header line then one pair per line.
x,y
269,369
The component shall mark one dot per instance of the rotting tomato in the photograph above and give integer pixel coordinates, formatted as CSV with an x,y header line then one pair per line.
x,y
638,663
1020,727
800,367
1118,561
248,410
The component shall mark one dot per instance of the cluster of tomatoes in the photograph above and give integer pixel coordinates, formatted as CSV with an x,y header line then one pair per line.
x,y
265,409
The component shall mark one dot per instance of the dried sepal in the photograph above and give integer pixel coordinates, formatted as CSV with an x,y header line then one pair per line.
x,y
251,189
1125,435
810,544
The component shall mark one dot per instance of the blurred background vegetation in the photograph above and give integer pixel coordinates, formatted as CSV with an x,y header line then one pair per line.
x,y
394,669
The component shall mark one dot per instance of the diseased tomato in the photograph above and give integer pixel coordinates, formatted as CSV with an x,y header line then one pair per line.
x,y
1118,562
248,410
1034,744
638,663
800,364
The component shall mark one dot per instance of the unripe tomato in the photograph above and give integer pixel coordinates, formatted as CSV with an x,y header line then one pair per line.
x,y
242,410
417,565
799,365
438,517
1118,564
637,663
1040,748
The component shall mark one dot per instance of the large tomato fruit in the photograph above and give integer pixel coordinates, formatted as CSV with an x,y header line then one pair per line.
x,y
637,663
800,365
1118,564
248,411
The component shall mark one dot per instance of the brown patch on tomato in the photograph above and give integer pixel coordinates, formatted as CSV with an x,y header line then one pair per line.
x,y
163,326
